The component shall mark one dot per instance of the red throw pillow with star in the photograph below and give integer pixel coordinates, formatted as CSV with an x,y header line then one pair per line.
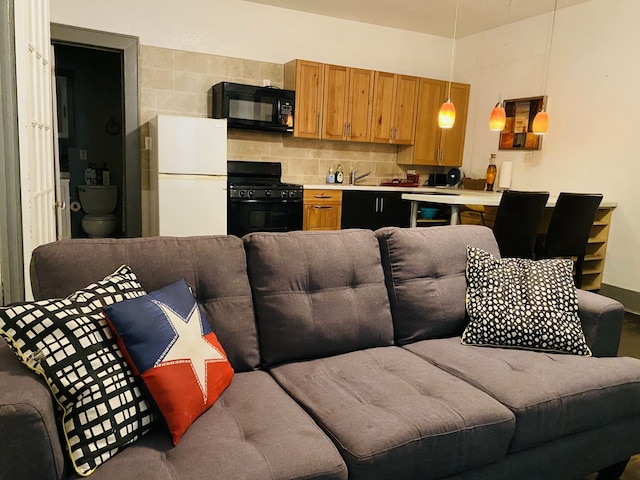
x,y
168,342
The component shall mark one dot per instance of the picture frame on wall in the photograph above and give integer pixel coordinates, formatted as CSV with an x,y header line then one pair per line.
x,y
517,133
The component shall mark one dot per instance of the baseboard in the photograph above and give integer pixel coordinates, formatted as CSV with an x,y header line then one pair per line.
x,y
629,298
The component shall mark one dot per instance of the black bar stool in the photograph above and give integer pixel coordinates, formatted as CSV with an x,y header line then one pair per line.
x,y
517,221
569,229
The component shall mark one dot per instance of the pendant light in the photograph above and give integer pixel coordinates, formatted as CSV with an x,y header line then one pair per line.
x,y
541,121
498,117
447,113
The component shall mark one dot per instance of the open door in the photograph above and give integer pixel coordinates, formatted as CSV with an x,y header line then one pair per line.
x,y
35,127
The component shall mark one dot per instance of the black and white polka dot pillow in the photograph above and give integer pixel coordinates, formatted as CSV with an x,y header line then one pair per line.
x,y
519,303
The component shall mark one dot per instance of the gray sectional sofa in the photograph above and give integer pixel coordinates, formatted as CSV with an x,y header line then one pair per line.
x,y
348,364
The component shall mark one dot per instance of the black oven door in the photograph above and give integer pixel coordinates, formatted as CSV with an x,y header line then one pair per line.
x,y
276,215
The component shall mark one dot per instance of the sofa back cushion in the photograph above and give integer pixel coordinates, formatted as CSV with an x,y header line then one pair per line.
x,y
317,294
214,267
425,275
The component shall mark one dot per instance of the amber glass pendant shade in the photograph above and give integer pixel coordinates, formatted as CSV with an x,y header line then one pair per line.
x,y
540,123
498,118
447,115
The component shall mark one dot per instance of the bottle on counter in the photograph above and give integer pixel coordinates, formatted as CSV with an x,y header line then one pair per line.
x,y
491,172
106,175
90,175
339,174
331,178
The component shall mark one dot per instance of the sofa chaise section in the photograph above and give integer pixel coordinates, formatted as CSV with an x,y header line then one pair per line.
x,y
560,399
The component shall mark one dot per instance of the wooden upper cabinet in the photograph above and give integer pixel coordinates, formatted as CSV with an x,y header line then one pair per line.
x,y
434,145
394,108
347,105
306,79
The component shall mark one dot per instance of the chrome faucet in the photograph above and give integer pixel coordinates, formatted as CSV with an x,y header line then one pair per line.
x,y
355,178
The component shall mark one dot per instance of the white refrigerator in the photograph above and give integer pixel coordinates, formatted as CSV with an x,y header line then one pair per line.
x,y
188,169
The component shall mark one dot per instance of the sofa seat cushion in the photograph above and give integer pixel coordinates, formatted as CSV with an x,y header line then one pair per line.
x,y
393,415
317,293
255,431
551,395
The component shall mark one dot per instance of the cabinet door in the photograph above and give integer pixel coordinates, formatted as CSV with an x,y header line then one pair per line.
x,y
383,104
405,110
306,79
335,105
360,105
425,150
392,210
452,139
358,209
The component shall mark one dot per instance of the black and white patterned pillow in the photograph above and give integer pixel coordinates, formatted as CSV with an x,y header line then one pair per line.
x,y
68,342
514,302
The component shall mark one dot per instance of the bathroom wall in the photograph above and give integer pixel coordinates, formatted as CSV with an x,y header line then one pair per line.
x,y
94,103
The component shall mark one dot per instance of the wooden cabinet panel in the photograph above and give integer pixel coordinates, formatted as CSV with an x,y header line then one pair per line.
x,y
306,79
394,108
434,145
322,210
360,105
348,95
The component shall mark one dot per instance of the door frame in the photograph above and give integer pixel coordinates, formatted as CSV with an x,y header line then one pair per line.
x,y
11,254
128,45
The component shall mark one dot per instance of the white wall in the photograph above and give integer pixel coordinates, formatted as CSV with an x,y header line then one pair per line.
x,y
593,75
593,106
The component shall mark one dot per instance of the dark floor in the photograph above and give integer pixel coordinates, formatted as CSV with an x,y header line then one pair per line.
x,y
629,347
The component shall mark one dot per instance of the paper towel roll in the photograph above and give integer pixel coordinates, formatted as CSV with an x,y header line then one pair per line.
x,y
504,177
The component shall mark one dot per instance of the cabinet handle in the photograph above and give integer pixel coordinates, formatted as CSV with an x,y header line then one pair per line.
x,y
322,196
377,202
381,204
349,127
321,207
319,126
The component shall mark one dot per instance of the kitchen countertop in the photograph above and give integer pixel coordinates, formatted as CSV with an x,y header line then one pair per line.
x,y
478,197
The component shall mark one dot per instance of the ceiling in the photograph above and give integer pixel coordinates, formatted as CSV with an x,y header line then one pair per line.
x,y
435,17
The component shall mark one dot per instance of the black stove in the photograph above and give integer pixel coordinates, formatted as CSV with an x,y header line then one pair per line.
x,y
259,201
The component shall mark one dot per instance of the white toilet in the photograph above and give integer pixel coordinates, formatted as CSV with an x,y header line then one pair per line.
x,y
98,203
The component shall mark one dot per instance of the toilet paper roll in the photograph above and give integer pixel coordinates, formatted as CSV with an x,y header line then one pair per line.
x,y
75,206
504,177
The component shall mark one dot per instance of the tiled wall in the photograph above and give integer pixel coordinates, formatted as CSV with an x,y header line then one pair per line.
x,y
179,83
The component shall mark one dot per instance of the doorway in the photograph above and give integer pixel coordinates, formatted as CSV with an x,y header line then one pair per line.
x,y
99,139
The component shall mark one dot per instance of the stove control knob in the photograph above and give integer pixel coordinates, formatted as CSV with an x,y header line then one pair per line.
x,y
252,193
292,193
242,194
267,193
283,194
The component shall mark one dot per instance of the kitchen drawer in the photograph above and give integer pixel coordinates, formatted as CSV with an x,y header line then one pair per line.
x,y
322,209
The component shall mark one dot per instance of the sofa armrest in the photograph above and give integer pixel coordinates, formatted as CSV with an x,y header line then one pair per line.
x,y
30,443
601,319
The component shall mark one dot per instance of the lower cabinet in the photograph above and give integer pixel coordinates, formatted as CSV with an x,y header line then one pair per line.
x,y
374,209
322,209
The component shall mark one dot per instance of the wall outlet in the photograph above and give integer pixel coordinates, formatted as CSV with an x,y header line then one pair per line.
x,y
528,157
83,154
266,82
147,143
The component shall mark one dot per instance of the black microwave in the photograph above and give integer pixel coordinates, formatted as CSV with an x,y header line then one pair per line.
x,y
252,107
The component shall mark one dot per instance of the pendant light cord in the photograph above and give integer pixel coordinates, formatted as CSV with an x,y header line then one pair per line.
x,y
453,50
504,51
546,73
